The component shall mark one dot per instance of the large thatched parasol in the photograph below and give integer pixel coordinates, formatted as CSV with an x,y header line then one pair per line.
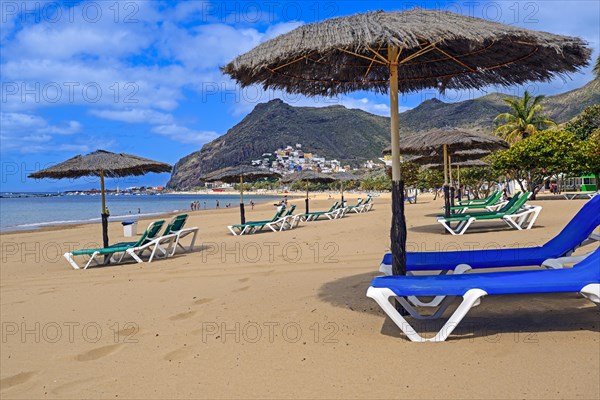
x,y
447,145
344,177
103,164
308,176
405,52
239,174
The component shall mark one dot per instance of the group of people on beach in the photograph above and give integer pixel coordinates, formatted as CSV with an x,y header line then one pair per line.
x,y
283,202
195,205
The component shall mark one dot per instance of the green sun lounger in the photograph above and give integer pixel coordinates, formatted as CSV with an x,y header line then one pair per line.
x,y
176,228
286,221
254,226
366,206
479,201
504,208
491,203
354,207
515,214
334,212
146,242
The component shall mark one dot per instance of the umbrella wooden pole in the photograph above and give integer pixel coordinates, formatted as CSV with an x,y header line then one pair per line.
x,y
445,164
452,188
306,200
398,229
104,213
458,182
446,188
242,210
342,193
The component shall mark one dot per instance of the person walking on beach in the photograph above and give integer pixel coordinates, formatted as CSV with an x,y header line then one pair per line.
x,y
205,204
252,204
217,203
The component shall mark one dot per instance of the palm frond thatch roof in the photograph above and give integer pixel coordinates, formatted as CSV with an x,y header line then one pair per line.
x,y
460,142
440,50
232,174
468,163
308,175
345,176
114,165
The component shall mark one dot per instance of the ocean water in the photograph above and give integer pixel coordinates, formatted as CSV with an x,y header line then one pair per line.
x,y
18,213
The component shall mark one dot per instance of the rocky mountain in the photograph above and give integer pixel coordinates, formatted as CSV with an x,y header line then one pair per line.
x,y
352,135
334,132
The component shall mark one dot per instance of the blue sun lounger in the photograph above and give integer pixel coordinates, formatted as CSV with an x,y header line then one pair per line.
x,y
579,231
584,278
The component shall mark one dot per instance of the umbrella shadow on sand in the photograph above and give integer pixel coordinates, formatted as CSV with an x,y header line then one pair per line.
x,y
518,318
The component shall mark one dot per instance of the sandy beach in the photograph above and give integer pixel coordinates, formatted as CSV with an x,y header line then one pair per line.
x,y
280,315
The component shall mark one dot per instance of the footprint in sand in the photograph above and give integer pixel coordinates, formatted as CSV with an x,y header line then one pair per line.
x,y
129,333
46,292
98,353
178,354
241,289
243,280
6,383
72,387
202,301
183,315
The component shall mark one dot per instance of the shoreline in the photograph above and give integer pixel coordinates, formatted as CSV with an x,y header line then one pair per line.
x,y
59,225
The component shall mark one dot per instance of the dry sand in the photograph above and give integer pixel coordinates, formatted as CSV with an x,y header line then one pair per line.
x,y
279,315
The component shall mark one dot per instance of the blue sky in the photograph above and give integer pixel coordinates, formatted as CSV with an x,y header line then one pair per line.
x,y
143,77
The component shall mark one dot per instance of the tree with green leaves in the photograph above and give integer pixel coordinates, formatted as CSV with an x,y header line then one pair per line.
x,y
479,180
410,174
592,156
431,179
597,68
540,157
380,183
523,120
586,123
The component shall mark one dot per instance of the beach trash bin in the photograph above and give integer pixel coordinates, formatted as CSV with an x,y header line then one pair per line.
x,y
129,228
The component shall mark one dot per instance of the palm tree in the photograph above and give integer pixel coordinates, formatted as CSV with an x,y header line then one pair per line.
x,y
597,68
523,120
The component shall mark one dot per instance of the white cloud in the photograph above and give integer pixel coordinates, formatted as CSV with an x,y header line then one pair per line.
x,y
54,148
280,29
135,116
37,138
28,133
18,124
184,134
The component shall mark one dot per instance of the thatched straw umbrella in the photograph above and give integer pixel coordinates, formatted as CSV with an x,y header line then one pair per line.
x,y
239,174
405,52
476,162
449,144
308,176
343,177
103,164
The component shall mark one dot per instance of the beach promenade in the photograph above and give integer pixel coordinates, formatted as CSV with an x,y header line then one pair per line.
x,y
280,315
